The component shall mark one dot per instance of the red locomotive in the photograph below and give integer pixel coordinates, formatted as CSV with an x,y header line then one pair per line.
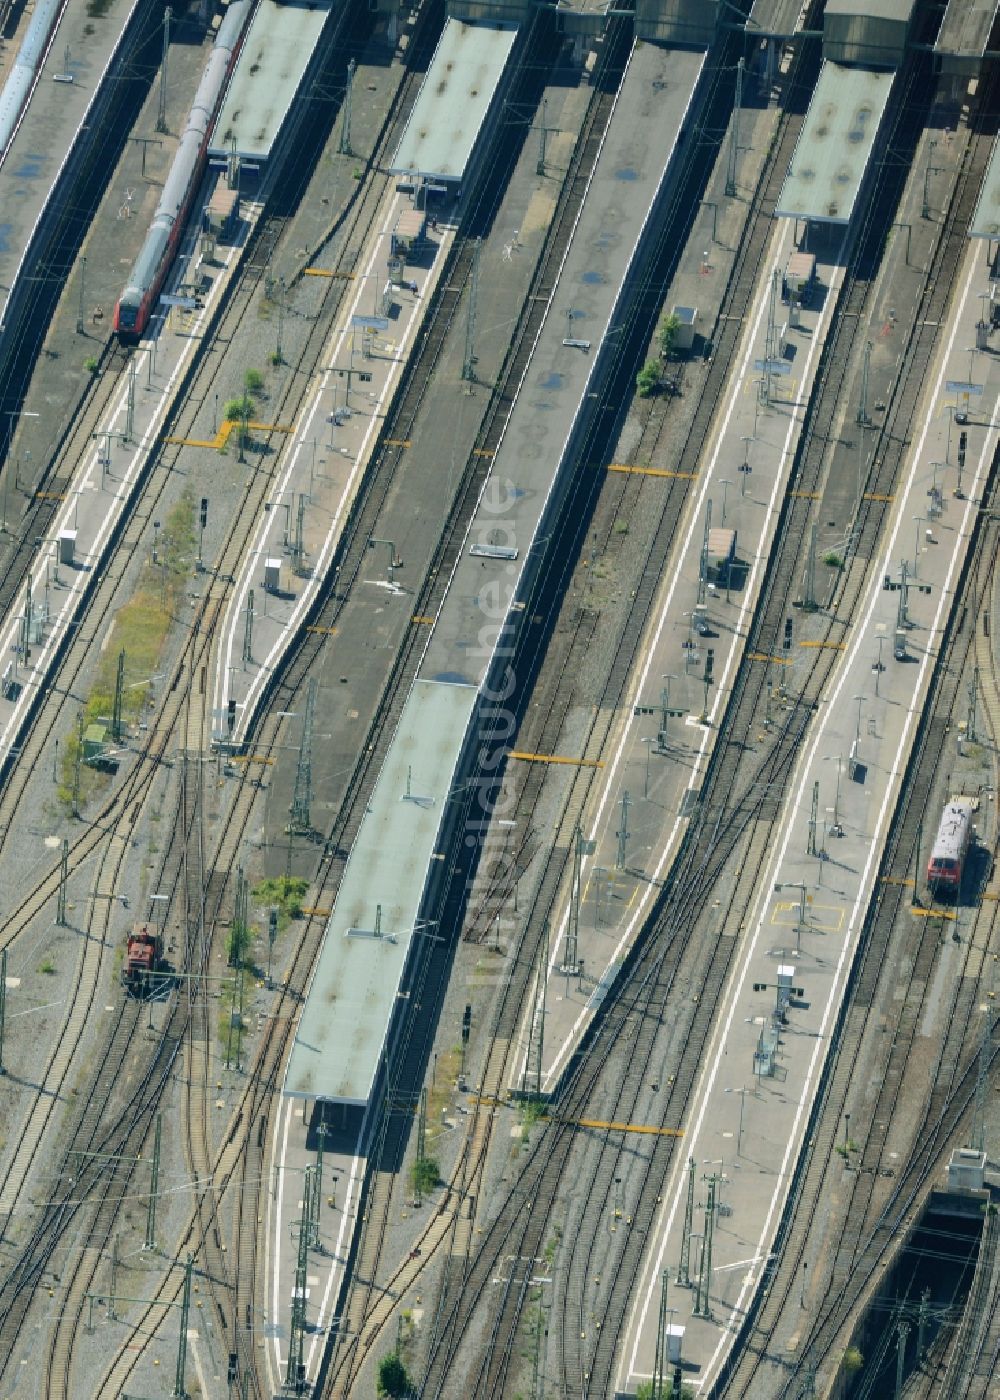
x,y
143,960
951,846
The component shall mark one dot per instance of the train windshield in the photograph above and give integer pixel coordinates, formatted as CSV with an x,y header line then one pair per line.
x,y
126,316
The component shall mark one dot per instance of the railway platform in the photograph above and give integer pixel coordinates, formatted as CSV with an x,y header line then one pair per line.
x,y
325,461
775,1019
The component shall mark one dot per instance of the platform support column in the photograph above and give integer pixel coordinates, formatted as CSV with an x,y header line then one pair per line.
x,y
542,133
811,847
248,631
623,832
77,766
684,1268
161,113
734,140
63,878
113,1281
469,359
83,276
295,1372
970,727
863,418
580,848
3,1002
902,1332
536,1035
302,793
916,865
116,712
345,130
154,1186
809,603
703,560
702,1307
982,1082
660,1354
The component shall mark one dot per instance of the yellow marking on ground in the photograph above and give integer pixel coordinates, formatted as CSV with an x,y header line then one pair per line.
x,y
222,436
323,631
991,894
651,471
828,646
49,496
897,880
557,758
326,272
647,1128
920,913
397,442
422,619
482,452
878,496
763,656
251,758
805,495
316,912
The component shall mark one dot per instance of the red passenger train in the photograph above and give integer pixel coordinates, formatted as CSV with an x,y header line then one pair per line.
x,y
951,846
136,303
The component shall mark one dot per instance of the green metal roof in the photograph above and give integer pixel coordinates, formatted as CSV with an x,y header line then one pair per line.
x,y
835,145
342,1031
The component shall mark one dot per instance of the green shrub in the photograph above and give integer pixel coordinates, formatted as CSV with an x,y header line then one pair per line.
x,y
253,382
647,381
852,1361
393,1379
90,364
239,408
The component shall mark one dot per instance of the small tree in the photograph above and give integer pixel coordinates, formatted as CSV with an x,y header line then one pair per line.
x,y
253,381
393,1378
426,1175
852,1361
669,330
647,381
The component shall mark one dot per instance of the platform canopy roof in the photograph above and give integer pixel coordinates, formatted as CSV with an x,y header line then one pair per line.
x,y
272,63
342,1031
835,145
454,99
966,28
986,219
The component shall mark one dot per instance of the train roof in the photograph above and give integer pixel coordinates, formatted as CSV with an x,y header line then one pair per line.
x,y
953,829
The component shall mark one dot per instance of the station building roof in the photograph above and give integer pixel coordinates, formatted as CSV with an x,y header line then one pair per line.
x,y
454,99
986,219
276,52
835,145
341,1035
